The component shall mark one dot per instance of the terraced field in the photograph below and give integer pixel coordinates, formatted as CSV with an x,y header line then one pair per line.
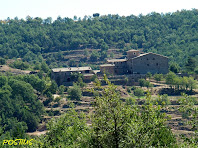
x,y
176,123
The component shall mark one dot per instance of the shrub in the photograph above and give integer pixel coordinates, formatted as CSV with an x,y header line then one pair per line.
x,y
138,92
128,89
144,83
141,82
158,77
75,92
149,75
57,99
61,89
2,61
130,101
19,65
163,100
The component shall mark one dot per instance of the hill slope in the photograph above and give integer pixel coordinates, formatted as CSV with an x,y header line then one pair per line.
x,y
173,34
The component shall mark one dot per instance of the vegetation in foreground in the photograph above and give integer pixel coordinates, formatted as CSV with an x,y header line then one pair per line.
x,y
118,124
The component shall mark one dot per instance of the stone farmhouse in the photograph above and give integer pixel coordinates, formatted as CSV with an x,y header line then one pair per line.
x,y
136,63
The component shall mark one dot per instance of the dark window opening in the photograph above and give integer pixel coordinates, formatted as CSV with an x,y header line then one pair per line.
x,y
86,71
147,64
153,58
68,79
157,64
147,58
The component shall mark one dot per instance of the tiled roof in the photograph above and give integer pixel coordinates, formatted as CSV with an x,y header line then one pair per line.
x,y
148,54
71,69
117,60
133,50
107,65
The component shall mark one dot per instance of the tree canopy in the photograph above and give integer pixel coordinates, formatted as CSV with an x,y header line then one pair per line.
x,y
171,34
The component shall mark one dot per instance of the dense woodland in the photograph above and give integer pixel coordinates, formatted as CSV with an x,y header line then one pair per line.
x,y
172,34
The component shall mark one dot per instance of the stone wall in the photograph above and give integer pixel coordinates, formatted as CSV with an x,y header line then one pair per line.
x,y
108,69
148,63
121,68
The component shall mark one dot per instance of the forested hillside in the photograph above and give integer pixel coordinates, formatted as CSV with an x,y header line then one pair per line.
x,y
173,34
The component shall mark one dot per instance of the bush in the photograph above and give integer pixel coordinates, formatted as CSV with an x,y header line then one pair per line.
x,y
141,82
138,92
57,99
128,89
19,65
130,101
158,77
2,61
61,89
75,92
149,75
174,67
144,83
163,100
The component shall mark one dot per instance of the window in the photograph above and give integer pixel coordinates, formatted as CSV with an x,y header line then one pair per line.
x,y
153,58
147,58
147,64
157,64
86,71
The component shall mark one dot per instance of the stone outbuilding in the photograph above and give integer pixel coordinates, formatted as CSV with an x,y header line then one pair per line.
x,y
107,68
66,76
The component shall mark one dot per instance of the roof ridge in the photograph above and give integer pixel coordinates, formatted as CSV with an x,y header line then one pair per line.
x,y
147,54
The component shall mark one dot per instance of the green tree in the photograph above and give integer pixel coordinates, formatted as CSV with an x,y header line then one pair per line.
x,y
174,67
185,83
61,89
94,56
118,124
142,82
2,61
192,83
53,87
158,77
3,81
44,67
104,47
190,64
69,130
138,92
170,79
80,82
110,118
149,75
75,92
188,108
19,65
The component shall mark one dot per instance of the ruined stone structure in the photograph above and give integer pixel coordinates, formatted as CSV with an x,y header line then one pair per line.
x,y
66,76
137,63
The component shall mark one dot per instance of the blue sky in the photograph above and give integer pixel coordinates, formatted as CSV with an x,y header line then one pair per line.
x,y
80,8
